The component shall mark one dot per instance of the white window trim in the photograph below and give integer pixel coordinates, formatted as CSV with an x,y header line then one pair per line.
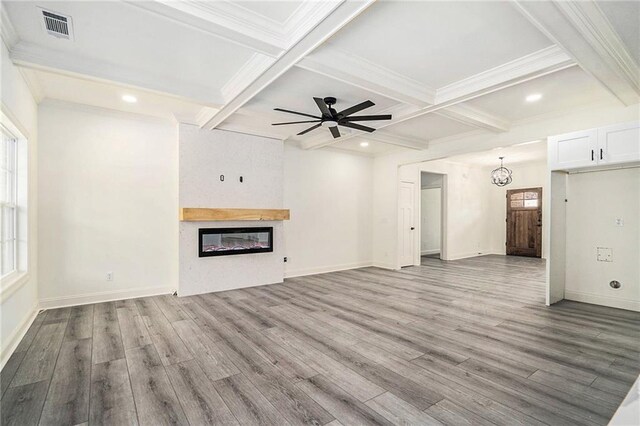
x,y
13,281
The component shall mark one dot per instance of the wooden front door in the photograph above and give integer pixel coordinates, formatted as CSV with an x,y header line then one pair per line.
x,y
524,222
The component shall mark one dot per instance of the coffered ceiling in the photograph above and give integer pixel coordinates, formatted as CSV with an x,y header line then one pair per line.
x,y
440,68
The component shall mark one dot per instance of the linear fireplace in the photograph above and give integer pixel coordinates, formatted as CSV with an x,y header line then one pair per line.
x,y
228,241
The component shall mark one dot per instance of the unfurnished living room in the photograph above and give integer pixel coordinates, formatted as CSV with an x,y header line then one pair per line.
x,y
323,212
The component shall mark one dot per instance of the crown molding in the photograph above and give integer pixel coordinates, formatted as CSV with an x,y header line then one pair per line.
x,y
582,30
256,65
33,83
331,24
475,117
534,65
238,24
7,30
356,71
32,56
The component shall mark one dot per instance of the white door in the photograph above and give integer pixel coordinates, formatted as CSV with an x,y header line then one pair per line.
x,y
577,149
407,227
619,143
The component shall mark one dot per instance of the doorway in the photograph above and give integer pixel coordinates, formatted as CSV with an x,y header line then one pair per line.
x,y
430,215
524,222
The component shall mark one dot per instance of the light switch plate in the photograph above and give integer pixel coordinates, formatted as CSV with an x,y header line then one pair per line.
x,y
604,254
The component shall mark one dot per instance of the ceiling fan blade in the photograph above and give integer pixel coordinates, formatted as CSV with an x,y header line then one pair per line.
x,y
335,132
323,107
295,112
367,117
295,122
309,129
356,108
357,126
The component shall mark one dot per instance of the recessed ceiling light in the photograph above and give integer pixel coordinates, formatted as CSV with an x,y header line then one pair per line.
x,y
533,97
130,99
364,144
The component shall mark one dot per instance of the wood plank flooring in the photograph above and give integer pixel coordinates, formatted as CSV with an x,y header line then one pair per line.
x,y
462,342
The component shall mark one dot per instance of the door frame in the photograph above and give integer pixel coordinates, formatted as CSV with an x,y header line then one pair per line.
x,y
539,209
443,218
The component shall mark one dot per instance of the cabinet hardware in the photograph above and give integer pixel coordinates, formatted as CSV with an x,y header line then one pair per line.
x,y
592,158
601,153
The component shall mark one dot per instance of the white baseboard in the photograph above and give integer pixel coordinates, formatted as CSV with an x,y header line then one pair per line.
x,y
426,252
17,336
597,299
324,269
458,256
388,266
104,296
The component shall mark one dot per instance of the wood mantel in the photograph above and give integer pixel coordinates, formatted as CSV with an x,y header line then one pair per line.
x,y
195,214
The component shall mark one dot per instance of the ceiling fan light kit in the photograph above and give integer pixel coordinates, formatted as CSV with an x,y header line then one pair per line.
x,y
331,118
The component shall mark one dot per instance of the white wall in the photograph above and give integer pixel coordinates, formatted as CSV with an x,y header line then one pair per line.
x,y
525,175
330,194
108,186
596,199
18,306
430,208
204,156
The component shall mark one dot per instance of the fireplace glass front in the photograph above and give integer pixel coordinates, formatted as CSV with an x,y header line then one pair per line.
x,y
227,241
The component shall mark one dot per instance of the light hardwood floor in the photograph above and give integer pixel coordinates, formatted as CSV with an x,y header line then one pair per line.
x,y
463,342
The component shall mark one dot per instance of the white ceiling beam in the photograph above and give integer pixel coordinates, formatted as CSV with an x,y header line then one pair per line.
x,y
36,57
474,117
337,19
537,64
584,32
356,71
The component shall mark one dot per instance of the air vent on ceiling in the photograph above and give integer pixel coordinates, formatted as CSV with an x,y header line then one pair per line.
x,y
57,25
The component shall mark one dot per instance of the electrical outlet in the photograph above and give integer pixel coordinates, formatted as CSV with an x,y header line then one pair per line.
x,y
109,276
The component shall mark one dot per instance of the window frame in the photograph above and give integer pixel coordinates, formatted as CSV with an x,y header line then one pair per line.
x,y
21,196
11,202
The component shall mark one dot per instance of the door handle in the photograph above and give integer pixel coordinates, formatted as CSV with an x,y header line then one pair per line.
x,y
412,228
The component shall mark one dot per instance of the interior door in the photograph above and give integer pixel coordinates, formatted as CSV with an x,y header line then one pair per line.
x,y
407,227
524,222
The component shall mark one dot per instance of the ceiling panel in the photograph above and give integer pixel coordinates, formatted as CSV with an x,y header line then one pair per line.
x,y
129,37
428,127
277,11
625,18
562,90
438,43
295,91
108,95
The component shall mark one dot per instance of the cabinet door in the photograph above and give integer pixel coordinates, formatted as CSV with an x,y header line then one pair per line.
x,y
619,143
573,150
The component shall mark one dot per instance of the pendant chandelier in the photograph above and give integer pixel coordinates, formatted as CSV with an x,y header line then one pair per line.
x,y
501,176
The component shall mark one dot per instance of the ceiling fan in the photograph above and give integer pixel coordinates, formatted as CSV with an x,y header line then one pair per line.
x,y
332,119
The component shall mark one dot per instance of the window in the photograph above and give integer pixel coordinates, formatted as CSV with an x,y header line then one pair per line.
x,y
8,203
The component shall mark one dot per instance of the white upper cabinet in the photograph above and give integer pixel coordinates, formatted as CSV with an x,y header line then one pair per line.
x,y
577,149
615,144
619,143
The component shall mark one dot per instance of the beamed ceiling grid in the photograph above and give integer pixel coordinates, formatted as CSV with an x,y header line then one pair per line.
x,y
236,61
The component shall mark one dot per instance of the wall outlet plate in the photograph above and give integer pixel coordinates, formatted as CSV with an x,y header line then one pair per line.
x,y
604,254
